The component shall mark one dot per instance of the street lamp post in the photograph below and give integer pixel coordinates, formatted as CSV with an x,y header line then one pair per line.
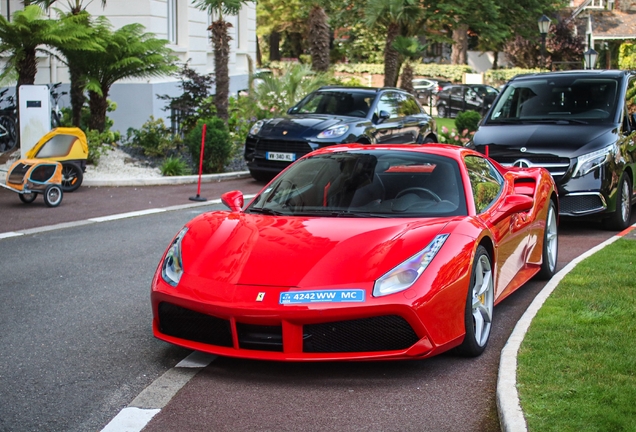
x,y
590,57
544,28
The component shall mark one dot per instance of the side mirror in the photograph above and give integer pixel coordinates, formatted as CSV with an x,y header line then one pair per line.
x,y
383,116
233,200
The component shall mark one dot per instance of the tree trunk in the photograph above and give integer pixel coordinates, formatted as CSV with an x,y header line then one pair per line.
x,y
77,95
460,45
319,39
98,106
221,41
274,46
27,68
495,61
406,80
295,43
391,57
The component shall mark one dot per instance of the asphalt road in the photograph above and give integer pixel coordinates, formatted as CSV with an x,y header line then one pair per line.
x,y
77,345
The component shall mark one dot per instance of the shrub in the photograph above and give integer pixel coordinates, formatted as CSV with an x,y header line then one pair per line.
x,y
174,166
453,137
154,138
467,120
217,148
98,145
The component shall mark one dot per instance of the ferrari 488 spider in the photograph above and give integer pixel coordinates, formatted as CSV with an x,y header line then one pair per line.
x,y
359,252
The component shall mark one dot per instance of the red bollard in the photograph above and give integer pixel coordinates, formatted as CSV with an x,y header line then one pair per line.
x,y
198,197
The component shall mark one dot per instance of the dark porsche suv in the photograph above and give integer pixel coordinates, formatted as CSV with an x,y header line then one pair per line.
x,y
580,125
336,115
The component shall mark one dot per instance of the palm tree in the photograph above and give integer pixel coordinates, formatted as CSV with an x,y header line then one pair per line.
x,y
410,49
397,16
128,53
319,38
76,14
221,41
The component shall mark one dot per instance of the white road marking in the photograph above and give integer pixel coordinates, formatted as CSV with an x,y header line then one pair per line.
x,y
10,234
131,420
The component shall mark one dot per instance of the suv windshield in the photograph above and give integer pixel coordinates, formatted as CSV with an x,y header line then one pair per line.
x,y
366,184
557,99
348,103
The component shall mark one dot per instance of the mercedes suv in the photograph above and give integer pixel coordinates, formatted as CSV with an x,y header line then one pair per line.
x,y
580,125
336,115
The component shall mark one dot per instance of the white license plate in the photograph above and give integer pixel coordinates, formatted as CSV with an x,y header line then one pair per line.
x,y
285,157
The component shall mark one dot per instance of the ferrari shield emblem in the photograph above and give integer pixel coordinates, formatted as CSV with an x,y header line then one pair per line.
x,y
260,296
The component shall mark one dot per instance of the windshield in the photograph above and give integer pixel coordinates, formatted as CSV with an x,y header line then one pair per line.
x,y
378,183
349,103
559,99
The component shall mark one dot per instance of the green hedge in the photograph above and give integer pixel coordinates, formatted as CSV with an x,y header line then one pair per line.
x,y
501,76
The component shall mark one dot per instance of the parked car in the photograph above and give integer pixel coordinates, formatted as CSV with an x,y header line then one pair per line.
x,y
359,252
463,97
580,126
336,115
426,89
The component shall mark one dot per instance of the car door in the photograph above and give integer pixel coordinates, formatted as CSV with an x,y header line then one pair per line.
x,y
413,119
387,118
456,103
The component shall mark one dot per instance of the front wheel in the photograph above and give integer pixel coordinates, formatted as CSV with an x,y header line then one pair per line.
x,y
621,217
53,195
72,177
441,111
550,245
28,198
8,133
479,306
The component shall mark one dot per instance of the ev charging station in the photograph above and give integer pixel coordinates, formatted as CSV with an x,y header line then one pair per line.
x,y
34,115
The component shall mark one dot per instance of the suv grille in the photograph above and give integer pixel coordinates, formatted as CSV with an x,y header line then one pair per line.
x,y
300,148
555,165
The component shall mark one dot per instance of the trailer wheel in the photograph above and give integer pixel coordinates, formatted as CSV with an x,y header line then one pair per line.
x,y
53,195
72,177
28,198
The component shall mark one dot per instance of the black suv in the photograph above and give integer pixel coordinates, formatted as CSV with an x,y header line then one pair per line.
x,y
580,126
456,98
336,115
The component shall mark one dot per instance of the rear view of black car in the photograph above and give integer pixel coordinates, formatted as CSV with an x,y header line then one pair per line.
x,y
580,126
457,98
336,115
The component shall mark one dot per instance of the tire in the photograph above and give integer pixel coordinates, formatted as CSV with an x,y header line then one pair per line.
x,y
72,177
261,176
620,219
53,195
55,120
550,245
28,198
478,312
10,139
441,111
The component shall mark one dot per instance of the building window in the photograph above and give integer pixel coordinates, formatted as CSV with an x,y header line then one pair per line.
x,y
172,21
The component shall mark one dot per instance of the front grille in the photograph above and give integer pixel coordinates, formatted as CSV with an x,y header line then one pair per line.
x,y
300,148
555,165
16,176
383,333
580,204
194,326
259,337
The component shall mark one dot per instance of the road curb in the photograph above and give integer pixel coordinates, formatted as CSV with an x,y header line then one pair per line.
x,y
162,181
511,416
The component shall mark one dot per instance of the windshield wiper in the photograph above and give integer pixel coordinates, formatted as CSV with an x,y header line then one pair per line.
x,y
556,121
266,211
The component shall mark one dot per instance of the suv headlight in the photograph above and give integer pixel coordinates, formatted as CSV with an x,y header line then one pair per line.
x,y
404,275
256,127
590,161
334,131
172,267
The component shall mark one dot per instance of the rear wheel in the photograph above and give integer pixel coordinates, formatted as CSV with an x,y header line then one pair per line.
x,y
550,245
621,217
72,177
53,195
28,198
479,306
441,111
8,135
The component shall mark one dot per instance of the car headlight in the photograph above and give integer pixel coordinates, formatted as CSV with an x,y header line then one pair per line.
x,y
590,161
256,127
404,275
172,267
334,131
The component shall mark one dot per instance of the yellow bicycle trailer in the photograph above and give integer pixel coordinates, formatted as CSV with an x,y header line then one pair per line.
x,y
67,145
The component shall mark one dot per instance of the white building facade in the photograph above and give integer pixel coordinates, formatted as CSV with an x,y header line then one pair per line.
x,y
184,26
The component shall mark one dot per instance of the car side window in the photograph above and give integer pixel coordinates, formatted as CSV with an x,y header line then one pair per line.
x,y
485,182
457,91
389,102
408,106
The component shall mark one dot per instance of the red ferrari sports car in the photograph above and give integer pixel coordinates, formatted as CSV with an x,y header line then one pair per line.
x,y
359,252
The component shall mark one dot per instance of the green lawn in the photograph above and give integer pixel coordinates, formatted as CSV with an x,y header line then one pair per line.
x,y
577,364
448,122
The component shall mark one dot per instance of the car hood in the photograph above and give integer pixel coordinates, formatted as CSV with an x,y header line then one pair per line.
x,y
303,125
247,249
563,140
